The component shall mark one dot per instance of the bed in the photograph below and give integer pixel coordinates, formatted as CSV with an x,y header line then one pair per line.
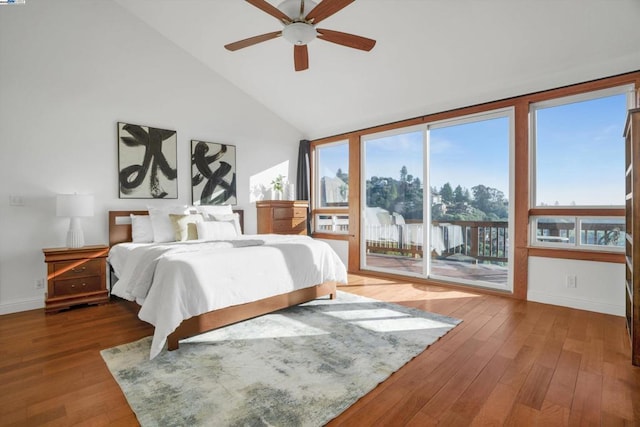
x,y
181,302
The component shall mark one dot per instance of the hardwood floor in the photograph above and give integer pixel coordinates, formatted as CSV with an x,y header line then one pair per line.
x,y
509,363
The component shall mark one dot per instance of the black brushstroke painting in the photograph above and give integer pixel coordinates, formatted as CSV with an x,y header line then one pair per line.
x,y
213,179
147,152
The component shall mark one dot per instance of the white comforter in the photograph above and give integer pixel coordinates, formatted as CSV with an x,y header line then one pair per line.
x,y
175,281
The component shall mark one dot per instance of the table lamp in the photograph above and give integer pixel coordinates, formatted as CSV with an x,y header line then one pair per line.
x,y
74,206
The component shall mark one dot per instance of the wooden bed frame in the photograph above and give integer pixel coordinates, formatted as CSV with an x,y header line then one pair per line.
x,y
120,231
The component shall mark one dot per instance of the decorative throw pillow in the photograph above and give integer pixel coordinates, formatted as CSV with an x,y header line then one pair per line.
x,y
162,227
141,229
233,218
216,230
184,226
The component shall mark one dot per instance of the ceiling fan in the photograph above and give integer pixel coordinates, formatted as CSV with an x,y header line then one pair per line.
x,y
300,18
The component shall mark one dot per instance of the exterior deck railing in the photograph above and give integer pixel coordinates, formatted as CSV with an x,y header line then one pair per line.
x,y
478,240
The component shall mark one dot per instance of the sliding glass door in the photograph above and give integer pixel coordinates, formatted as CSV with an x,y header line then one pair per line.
x,y
469,177
447,184
393,208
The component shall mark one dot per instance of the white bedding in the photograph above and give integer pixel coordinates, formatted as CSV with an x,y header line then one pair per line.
x,y
191,278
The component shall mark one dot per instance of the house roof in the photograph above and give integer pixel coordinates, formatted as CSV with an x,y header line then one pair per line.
x,y
430,56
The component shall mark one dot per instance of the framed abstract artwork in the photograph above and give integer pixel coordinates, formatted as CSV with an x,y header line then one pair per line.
x,y
213,173
147,162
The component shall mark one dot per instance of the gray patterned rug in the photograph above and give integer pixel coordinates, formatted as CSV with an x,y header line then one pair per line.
x,y
301,366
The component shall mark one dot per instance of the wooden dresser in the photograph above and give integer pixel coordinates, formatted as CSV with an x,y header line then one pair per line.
x,y
75,276
282,216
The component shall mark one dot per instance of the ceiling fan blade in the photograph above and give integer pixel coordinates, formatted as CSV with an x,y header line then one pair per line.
x,y
252,40
346,39
301,57
271,10
325,9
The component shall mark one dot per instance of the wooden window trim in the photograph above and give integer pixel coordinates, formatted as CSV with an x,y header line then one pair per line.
x,y
564,211
521,203
330,236
577,254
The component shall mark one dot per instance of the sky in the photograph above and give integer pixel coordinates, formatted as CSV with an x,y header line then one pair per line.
x,y
580,154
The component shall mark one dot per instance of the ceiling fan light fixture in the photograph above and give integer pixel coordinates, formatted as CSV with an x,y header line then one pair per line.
x,y
299,33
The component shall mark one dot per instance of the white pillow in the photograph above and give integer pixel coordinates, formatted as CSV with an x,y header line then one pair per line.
x,y
209,210
141,229
163,230
233,218
216,230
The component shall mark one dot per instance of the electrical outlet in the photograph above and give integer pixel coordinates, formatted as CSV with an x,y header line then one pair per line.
x,y
16,200
572,281
40,284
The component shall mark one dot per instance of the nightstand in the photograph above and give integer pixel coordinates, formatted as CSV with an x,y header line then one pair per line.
x,y
76,276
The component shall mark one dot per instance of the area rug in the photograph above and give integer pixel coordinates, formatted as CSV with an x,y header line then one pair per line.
x,y
301,366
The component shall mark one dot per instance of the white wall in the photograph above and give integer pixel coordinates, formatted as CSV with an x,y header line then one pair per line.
x,y
599,285
341,247
69,71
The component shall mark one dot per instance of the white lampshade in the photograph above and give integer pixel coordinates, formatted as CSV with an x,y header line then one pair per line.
x,y
74,206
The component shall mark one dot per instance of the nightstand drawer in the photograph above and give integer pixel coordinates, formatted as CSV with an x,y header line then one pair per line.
x,y
77,268
289,226
283,213
77,286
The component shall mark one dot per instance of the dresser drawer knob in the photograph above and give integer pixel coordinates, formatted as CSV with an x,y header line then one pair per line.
x,y
78,270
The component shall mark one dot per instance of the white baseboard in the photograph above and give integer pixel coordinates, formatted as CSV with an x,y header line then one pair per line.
x,y
21,305
581,304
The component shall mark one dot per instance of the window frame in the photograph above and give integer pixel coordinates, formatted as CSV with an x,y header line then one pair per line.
x,y
523,209
627,89
578,212
317,210
577,230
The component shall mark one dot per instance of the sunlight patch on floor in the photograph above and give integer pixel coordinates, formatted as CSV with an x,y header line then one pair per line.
x,y
401,324
278,326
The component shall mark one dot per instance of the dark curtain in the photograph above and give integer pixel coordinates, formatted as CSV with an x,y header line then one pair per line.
x,y
302,177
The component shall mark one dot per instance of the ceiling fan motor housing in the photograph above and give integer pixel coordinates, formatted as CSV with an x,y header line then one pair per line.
x,y
291,8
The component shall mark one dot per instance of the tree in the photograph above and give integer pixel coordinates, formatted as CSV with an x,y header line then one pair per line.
x,y
491,201
446,192
460,196
403,196
343,176
403,174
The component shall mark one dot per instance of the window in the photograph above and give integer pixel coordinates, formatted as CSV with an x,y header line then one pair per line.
x,y
578,164
579,149
601,233
331,188
392,196
435,200
471,188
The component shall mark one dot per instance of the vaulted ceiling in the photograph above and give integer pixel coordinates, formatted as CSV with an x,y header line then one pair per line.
x,y
430,56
